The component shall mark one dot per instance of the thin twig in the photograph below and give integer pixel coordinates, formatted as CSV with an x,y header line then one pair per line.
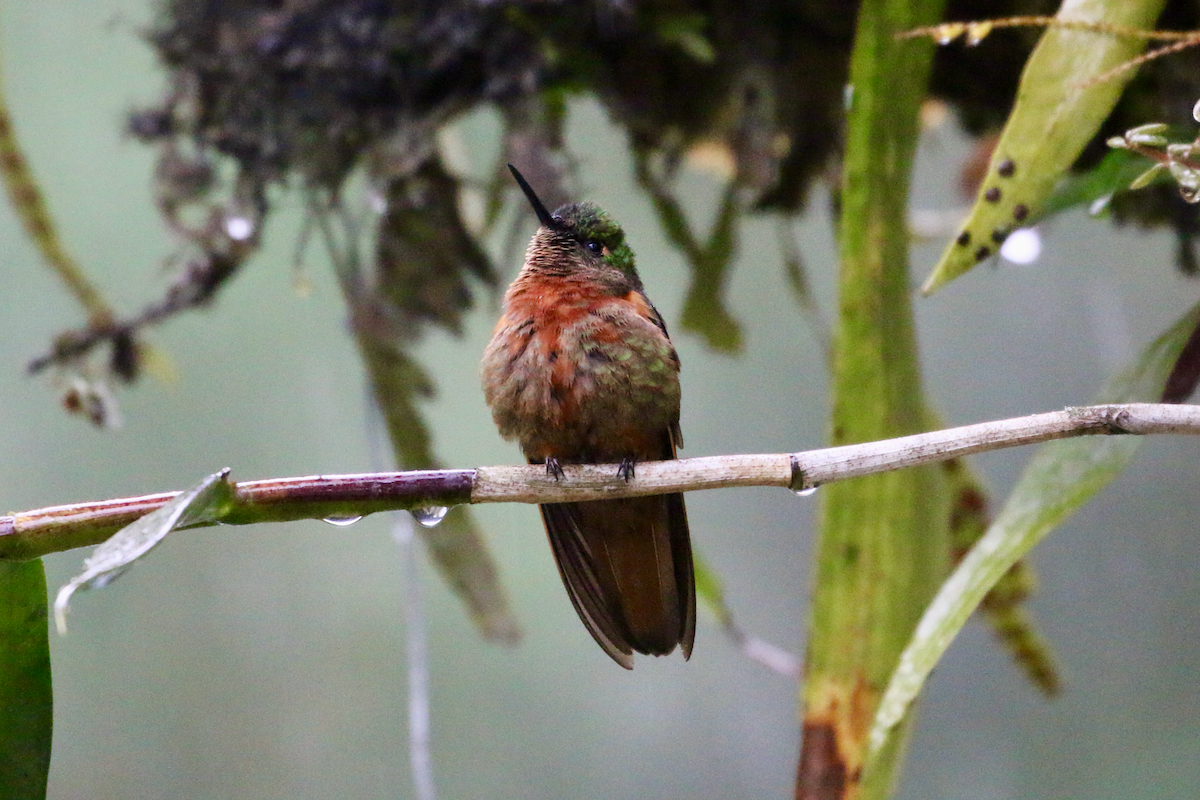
x,y
951,30
30,534
416,657
976,31
1191,41
416,622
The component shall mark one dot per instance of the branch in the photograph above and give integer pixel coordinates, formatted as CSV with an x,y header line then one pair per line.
x,y
31,534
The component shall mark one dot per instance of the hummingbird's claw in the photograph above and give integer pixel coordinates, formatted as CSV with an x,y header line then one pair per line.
x,y
626,469
554,468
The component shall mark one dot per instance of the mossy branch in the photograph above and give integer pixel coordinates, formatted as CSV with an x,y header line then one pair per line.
x,y
30,534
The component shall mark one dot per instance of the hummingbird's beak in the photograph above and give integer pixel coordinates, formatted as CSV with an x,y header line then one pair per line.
x,y
542,214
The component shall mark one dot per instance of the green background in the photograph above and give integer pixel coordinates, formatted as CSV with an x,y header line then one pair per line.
x,y
267,662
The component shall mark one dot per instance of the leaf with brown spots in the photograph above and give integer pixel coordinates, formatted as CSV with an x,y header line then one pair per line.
x,y
1058,110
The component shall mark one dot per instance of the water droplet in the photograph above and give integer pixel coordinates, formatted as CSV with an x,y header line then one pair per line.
x,y
239,228
377,201
430,516
343,522
977,32
1023,246
809,492
945,34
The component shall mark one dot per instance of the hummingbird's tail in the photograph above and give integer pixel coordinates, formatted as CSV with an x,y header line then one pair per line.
x,y
627,566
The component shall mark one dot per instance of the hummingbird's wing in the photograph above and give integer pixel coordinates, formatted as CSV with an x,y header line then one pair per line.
x,y
627,566
657,318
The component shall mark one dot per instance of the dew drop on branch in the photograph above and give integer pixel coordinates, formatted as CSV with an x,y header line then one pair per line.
x,y
430,516
343,522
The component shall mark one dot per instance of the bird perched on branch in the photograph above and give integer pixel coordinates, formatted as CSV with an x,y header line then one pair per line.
x,y
580,370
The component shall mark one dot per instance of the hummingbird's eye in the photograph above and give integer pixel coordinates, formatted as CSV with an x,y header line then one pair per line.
x,y
594,246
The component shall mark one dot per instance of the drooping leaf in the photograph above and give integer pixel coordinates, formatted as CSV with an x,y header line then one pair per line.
x,y
796,272
25,195
704,310
1059,479
204,502
26,695
456,545
1003,607
424,251
425,254
1058,110
535,142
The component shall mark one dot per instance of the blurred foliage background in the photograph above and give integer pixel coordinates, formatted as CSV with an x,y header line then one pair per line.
x,y
267,662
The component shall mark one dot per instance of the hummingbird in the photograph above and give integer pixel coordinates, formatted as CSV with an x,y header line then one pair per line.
x,y
580,370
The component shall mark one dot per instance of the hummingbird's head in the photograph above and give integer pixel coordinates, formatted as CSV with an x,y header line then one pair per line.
x,y
580,234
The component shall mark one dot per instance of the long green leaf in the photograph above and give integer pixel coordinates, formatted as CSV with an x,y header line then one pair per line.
x,y
1003,607
204,502
26,696
1059,479
1059,108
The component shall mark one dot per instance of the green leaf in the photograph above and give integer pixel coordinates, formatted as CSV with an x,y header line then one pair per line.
x,y
1116,172
710,589
1059,479
1148,177
203,503
26,696
1003,606
704,312
1059,107
687,32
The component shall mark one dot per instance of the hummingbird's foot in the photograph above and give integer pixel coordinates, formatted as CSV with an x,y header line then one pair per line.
x,y
554,468
626,469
